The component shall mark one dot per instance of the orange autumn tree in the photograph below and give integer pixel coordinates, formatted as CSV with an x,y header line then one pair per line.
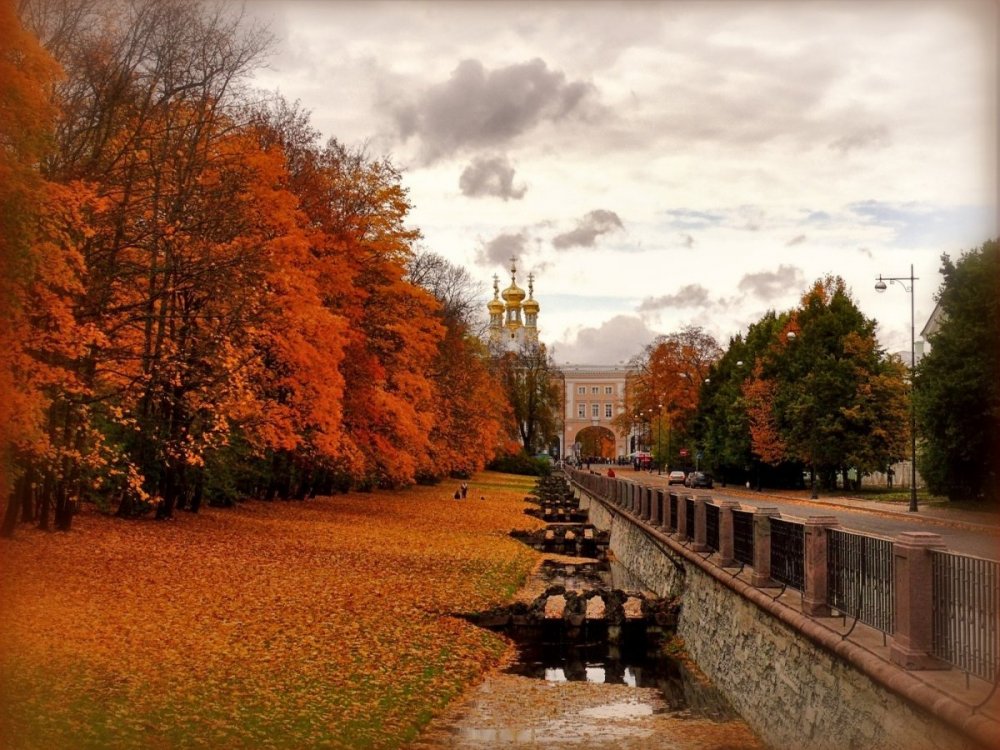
x,y
765,436
41,225
220,306
388,399
663,386
469,419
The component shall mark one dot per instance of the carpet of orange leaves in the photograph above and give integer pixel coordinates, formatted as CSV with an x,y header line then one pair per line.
x,y
323,623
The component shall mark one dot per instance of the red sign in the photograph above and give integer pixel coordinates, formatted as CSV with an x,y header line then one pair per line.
x,y
684,452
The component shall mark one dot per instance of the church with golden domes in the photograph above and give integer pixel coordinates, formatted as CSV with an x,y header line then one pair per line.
x,y
508,329
592,395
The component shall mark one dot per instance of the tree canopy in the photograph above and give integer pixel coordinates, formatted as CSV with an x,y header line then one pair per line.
x,y
958,381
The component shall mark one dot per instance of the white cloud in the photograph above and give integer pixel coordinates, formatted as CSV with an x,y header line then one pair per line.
x,y
750,147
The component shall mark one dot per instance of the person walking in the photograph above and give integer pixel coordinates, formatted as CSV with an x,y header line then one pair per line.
x,y
465,489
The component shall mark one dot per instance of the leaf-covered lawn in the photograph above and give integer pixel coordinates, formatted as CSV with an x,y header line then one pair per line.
x,y
291,624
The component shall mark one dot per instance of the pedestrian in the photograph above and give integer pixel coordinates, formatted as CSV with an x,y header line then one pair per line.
x,y
465,489
611,473
458,494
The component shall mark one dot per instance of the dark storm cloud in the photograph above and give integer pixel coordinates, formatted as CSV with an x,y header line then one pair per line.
x,y
771,284
692,295
478,107
588,229
500,249
490,176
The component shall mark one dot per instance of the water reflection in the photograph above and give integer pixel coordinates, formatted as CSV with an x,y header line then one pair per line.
x,y
637,665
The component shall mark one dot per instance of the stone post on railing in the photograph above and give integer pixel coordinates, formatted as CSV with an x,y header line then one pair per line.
x,y
700,523
682,514
727,543
814,566
912,640
762,546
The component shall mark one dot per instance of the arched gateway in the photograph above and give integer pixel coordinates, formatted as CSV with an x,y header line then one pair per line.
x,y
592,396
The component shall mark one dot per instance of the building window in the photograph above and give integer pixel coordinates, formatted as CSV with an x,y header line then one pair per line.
x,y
607,411
581,390
581,411
608,389
596,389
595,410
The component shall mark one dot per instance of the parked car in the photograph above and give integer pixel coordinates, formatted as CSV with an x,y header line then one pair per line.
x,y
698,479
676,477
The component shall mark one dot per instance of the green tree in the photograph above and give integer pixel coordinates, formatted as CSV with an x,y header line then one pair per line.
x,y
722,425
530,381
958,382
841,403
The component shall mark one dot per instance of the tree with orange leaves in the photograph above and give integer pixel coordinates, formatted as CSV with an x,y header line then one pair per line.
x,y
663,386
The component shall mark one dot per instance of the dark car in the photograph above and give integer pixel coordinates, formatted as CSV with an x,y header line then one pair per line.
x,y
698,479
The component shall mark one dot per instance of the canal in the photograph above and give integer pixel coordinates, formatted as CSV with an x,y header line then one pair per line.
x,y
593,663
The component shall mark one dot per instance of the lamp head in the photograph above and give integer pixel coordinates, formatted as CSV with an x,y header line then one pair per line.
x,y
790,335
880,285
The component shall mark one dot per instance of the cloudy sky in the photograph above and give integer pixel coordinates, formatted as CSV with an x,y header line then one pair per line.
x,y
663,164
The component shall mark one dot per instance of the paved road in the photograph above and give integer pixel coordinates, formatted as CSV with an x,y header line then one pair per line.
x,y
971,533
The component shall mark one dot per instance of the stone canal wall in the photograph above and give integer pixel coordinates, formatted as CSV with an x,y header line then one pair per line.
x,y
796,684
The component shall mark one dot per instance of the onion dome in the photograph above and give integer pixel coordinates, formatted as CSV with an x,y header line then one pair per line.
x,y
513,295
531,305
495,306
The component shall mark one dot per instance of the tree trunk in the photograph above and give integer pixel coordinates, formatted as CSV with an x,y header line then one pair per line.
x,y
45,501
13,507
199,486
27,496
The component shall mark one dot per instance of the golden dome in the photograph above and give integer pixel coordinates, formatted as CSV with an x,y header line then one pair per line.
x,y
531,305
495,306
513,295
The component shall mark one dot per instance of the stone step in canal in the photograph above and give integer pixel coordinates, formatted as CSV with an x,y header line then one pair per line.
x,y
595,663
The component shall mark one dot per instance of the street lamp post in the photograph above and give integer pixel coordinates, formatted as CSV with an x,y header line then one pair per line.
x,y
659,448
649,434
881,286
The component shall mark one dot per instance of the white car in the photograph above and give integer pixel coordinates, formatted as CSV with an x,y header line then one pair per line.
x,y
676,477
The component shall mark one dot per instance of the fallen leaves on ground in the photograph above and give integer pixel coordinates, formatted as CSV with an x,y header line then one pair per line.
x,y
324,623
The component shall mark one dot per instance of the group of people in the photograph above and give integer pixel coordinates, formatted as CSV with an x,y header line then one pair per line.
x,y
462,491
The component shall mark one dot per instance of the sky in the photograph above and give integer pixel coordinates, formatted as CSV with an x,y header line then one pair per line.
x,y
664,164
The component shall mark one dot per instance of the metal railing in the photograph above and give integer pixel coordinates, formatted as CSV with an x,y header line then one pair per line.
x,y
965,612
672,500
787,552
743,536
689,521
712,526
859,578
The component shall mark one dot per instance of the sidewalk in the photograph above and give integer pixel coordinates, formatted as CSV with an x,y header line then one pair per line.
x,y
972,520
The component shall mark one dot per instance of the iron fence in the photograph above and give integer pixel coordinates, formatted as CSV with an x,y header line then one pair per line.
x,y
712,526
672,499
787,552
743,536
689,521
965,612
859,578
